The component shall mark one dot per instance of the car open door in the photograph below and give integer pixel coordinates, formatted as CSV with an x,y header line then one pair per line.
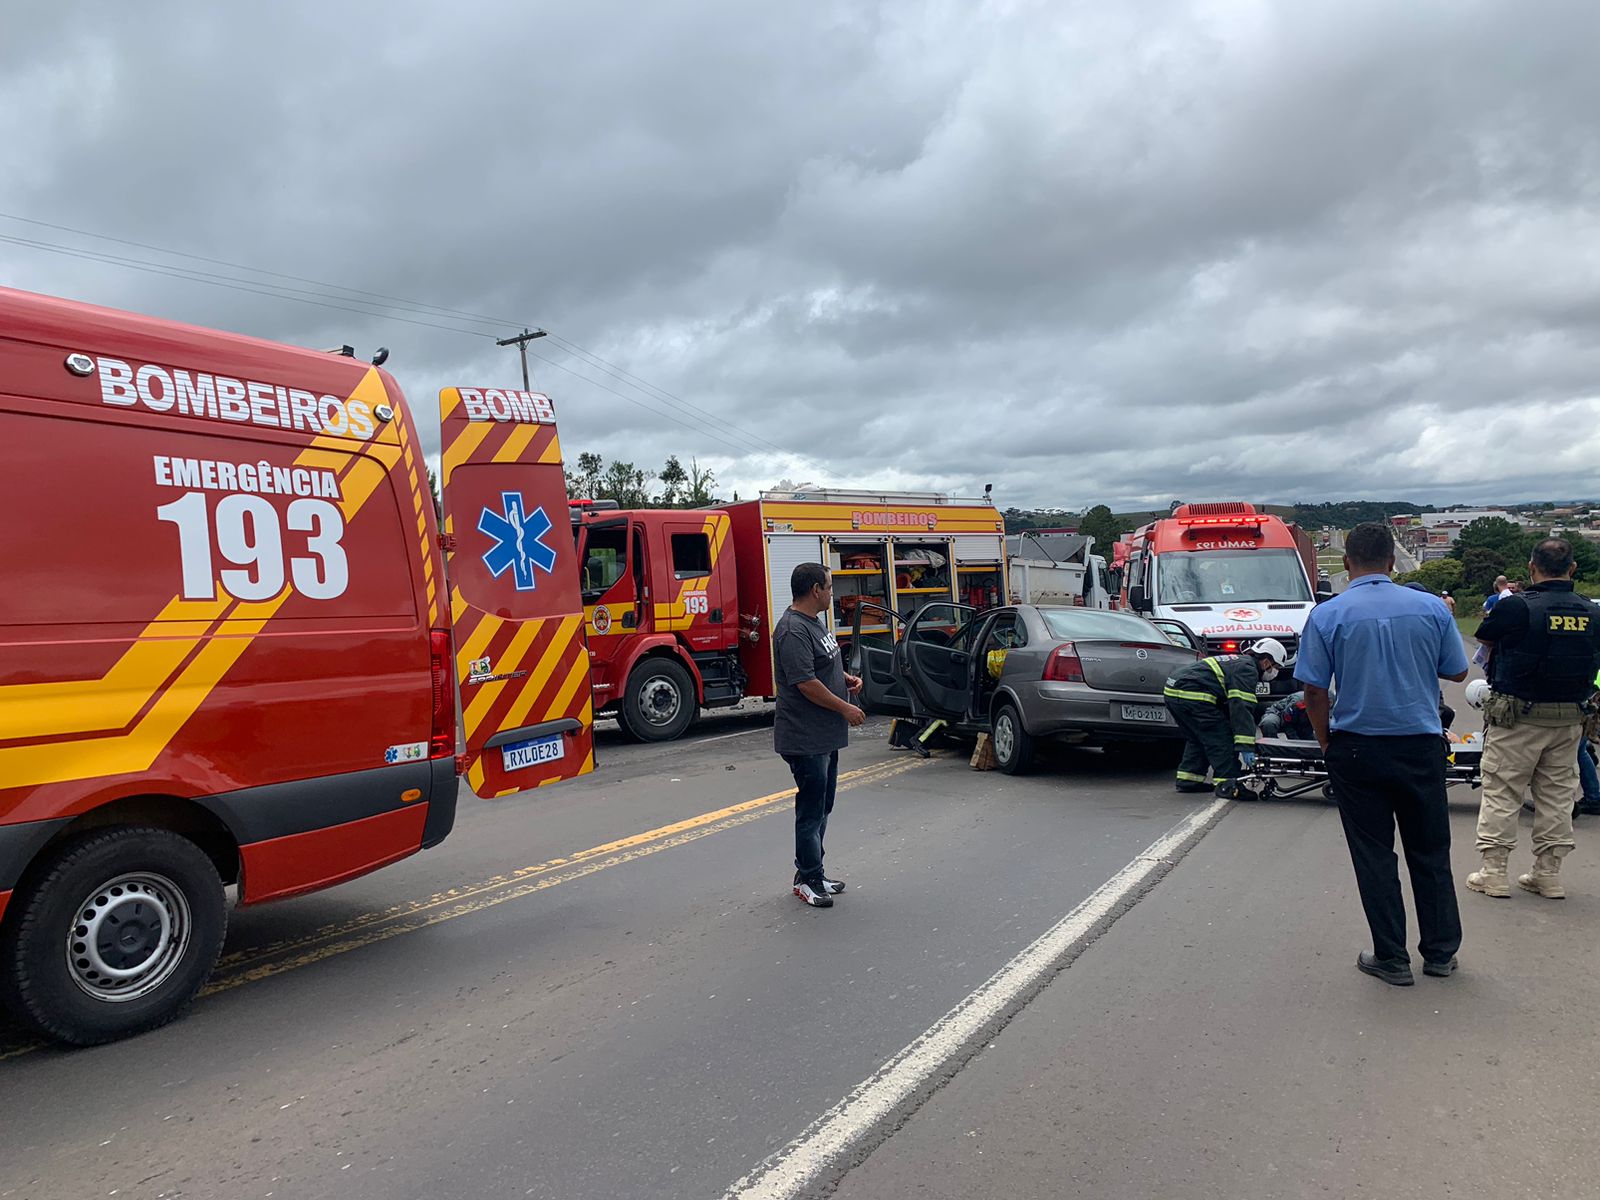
x,y
522,662
872,658
936,662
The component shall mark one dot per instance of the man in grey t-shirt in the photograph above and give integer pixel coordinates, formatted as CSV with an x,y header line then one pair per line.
x,y
814,714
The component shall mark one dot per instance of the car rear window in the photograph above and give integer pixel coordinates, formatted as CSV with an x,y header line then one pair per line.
x,y
1098,624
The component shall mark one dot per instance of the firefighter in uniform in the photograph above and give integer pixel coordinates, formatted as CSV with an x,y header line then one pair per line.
x,y
1214,703
1545,649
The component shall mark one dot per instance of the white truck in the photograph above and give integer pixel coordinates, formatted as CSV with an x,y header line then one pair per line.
x,y
1055,568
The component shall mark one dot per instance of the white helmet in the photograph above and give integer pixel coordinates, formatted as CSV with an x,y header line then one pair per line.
x,y
1271,648
1477,692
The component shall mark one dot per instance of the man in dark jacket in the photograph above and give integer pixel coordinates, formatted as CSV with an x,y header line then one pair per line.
x,y
1214,703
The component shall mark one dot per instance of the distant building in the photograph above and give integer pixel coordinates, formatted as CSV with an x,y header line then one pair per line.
x,y
1467,516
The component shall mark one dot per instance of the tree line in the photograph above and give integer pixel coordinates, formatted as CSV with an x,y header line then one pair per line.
x,y
673,486
1491,547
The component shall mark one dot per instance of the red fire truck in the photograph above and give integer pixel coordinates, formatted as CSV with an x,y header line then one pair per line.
x,y
680,604
226,641
1230,573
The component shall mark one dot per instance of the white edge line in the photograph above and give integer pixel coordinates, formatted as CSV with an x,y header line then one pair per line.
x,y
786,1173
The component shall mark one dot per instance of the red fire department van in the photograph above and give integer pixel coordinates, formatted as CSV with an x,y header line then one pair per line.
x,y
226,641
1230,573
680,603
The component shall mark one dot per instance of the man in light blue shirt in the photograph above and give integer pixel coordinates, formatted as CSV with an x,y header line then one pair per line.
x,y
1388,647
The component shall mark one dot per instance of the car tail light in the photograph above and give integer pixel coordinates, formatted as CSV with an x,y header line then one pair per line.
x,y
442,741
1064,665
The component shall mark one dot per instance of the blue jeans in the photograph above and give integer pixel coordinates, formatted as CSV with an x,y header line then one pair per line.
x,y
816,776
1587,774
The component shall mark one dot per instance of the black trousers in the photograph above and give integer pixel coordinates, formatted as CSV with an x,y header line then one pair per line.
x,y
1380,783
1208,741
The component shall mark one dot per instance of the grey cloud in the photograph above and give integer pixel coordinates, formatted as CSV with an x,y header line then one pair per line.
x,y
1087,252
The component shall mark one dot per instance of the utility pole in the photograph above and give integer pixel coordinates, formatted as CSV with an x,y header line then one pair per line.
x,y
521,343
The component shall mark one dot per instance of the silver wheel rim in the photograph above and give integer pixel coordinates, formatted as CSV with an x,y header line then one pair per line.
x,y
1005,738
659,700
128,937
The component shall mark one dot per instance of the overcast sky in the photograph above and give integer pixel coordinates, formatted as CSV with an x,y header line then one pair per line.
x,y
1124,252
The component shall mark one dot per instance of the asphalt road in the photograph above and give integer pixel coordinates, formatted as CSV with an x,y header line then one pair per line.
x,y
1074,983
599,990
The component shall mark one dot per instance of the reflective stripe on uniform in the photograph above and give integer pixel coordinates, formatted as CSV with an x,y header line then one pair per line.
x,y
1236,694
1216,669
1243,739
1190,777
1180,694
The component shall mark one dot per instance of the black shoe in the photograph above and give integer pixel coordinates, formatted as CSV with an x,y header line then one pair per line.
x,y
1190,785
1587,808
834,886
816,895
1440,970
1396,973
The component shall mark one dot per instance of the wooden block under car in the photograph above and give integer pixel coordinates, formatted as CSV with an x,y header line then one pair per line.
x,y
983,754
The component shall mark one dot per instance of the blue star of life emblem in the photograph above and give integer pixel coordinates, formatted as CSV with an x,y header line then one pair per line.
x,y
519,541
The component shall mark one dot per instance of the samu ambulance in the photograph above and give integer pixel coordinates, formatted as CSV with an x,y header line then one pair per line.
x,y
230,650
1231,574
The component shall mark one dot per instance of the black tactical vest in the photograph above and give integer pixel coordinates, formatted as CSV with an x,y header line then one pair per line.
x,y
1556,660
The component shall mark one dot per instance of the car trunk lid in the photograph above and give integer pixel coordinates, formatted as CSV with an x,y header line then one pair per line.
x,y
1121,666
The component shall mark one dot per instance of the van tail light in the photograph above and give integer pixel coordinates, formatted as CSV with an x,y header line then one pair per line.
x,y
442,741
1064,665
1230,647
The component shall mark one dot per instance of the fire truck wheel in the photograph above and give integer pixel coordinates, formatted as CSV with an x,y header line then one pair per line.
x,y
659,704
112,936
1013,745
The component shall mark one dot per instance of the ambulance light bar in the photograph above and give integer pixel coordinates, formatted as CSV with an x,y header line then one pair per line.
x,y
1233,522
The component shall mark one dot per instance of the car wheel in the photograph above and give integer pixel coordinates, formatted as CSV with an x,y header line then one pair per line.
x,y
660,702
1013,745
114,936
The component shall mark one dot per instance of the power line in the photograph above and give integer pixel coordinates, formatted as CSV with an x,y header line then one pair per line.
x,y
213,280
235,285
756,442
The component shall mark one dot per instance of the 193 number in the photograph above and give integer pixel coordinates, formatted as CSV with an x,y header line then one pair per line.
x,y
249,536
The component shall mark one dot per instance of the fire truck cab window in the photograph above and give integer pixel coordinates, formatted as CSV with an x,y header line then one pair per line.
x,y
691,555
605,560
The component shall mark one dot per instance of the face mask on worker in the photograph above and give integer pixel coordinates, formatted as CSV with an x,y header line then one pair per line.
x,y
1268,671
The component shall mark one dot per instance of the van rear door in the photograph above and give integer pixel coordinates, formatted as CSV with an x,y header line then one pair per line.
x,y
522,661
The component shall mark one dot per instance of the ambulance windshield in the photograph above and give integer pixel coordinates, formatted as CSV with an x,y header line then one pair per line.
x,y
1231,577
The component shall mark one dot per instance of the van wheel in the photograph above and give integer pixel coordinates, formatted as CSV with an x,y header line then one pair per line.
x,y
1013,745
659,704
114,937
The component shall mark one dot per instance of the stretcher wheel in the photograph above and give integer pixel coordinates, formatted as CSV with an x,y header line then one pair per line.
x,y
1327,792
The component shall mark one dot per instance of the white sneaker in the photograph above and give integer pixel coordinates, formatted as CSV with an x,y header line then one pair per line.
x,y
834,886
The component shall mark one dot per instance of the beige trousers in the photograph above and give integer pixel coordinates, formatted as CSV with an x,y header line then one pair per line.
x,y
1543,758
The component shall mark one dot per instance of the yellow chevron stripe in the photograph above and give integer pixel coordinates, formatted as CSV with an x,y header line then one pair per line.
x,y
516,443
509,661
552,452
534,685
449,401
475,644
461,449
576,678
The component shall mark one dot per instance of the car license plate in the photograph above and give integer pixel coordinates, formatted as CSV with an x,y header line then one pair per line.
x,y
528,754
1154,713
1263,689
